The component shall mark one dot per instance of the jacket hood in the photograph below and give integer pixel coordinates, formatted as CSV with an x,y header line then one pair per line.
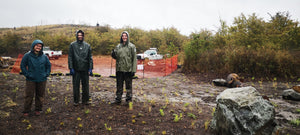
x,y
37,42
121,40
79,31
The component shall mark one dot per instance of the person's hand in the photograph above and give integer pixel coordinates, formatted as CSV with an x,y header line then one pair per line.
x,y
113,54
72,72
132,74
91,72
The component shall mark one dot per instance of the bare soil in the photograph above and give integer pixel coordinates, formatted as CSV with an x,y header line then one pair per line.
x,y
156,102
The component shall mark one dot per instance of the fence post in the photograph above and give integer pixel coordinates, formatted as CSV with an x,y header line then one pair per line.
x,y
165,67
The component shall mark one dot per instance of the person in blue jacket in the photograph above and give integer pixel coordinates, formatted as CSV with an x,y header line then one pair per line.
x,y
36,67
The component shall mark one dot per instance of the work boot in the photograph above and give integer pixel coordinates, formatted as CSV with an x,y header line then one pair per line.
x,y
86,103
128,100
37,113
75,104
25,114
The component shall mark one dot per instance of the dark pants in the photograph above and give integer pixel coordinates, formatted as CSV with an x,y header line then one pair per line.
x,y
121,77
82,76
37,88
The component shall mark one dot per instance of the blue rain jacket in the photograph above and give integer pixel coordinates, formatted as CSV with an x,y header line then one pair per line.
x,y
36,67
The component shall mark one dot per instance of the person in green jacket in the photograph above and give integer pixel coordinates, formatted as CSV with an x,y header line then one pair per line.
x,y
80,63
125,55
36,67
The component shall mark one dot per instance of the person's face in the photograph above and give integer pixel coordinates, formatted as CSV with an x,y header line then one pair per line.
x,y
37,47
80,36
124,37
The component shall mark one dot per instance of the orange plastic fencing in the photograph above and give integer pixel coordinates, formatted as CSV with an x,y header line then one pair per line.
x,y
16,68
105,66
156,68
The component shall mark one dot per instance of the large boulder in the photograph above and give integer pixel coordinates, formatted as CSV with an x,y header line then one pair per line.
x,y
291,94
243,111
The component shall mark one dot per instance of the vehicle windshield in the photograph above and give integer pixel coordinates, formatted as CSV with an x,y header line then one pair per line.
x,y
46,48
148,52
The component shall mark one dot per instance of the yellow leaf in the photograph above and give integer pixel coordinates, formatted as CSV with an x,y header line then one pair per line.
x,y
206,124
78,118
29,127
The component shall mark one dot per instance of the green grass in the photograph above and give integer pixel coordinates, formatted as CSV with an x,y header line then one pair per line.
x,y
295,122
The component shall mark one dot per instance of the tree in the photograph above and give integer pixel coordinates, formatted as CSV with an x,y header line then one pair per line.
x,y
10,43
222,35
283,31
199,43
248,32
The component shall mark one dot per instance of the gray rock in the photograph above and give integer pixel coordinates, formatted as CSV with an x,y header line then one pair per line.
x,y
243,111
219,82
290,94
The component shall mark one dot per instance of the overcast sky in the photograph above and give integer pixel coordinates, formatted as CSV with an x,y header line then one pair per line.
x,y
185,15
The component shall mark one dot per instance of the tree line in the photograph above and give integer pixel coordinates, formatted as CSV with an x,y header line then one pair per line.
x,y
250,45
102,38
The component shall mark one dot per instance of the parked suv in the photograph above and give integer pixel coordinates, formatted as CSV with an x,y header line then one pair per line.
x,y
150,54
50,53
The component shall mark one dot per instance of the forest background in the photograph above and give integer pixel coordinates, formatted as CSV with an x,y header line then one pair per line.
x,y
251,46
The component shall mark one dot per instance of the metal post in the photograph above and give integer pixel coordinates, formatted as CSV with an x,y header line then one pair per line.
x,y
110,66
143,68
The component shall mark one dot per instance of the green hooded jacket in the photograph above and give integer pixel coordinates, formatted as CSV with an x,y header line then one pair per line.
x,y
125,56
34,67
80,55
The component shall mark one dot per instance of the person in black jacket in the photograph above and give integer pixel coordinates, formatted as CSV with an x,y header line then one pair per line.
x,y
80,63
